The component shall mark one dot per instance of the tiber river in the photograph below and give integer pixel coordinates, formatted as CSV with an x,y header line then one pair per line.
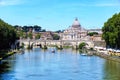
x,y
66,64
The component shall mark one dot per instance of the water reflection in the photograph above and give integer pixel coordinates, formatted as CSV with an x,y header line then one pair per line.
x,y
111,70
66,64
4,67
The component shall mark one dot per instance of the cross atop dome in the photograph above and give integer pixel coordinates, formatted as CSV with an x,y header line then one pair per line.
x,y
76,19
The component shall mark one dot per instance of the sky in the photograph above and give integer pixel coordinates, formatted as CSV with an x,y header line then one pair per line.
x,y
55,15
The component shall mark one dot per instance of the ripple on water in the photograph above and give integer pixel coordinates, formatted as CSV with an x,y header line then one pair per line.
x,y
63,65
36,75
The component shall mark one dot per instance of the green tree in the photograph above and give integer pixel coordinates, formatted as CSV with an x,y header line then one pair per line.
x,y
37,28
81,45
8,35
43,30
56,37
30,35
92,33
37,36
111,31
58,31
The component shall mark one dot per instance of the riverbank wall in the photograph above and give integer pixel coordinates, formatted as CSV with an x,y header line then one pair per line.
x,y
106,56
103,54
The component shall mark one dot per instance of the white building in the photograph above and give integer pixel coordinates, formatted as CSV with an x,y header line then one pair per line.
x,y
99,31
74,32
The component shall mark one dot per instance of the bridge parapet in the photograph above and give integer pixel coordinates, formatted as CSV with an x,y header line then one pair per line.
x,y
57,42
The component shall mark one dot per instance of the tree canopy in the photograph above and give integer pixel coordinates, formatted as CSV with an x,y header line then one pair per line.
x,y
56,37
92,33
81,45
111,31
7,35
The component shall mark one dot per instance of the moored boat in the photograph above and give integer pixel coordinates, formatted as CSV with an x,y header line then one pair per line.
x,y
53,51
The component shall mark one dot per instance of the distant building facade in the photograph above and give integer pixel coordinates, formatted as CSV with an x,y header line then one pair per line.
x,y
74,32
97,37
46,36
99,31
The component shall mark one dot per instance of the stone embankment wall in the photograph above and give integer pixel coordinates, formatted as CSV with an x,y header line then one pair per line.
x,y
103,55
99,43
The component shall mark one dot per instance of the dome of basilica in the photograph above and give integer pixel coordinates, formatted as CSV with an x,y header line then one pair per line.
x,y
74,32
76,24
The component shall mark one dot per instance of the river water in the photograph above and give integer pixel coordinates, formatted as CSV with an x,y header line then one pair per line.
x,y
66,64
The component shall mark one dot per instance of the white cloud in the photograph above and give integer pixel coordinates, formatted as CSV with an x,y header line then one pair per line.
x,y
99,5
9,2
107,5
78,5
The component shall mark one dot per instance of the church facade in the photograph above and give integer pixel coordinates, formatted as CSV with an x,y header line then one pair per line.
x,y
74,32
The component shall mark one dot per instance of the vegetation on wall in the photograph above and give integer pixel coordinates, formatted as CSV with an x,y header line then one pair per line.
x,y
56,37
81,45
92,33
38,36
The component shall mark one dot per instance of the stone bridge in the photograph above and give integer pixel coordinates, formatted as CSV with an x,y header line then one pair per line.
x,y
73,43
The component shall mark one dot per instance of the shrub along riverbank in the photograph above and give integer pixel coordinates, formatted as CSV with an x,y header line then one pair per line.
x,y
8,37
6,55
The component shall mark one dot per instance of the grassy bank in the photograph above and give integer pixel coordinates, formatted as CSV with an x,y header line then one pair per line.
x,y
6,55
